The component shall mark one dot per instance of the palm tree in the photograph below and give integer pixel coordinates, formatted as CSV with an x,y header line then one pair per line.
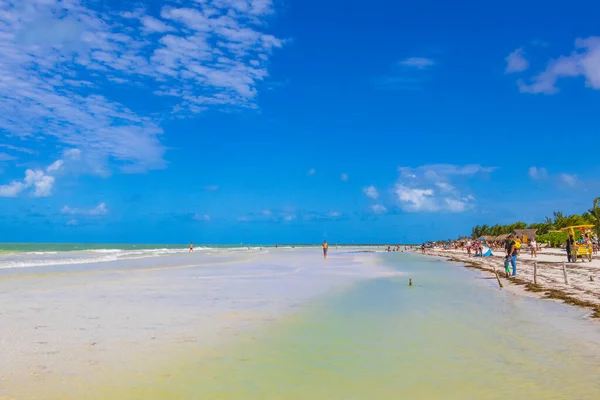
x,y
595,213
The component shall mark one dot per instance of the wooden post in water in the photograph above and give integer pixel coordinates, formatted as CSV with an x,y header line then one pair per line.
x,y
497,277
565,273
535,272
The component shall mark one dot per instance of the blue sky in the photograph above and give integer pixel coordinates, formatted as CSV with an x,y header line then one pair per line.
x,y
260,121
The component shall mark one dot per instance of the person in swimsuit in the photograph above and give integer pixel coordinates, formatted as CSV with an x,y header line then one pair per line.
x,y
325,247
191,248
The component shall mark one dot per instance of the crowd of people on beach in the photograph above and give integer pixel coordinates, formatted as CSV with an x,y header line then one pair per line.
x,y
585,247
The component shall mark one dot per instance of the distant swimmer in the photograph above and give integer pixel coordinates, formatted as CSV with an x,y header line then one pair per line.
x,y
191,248
325,248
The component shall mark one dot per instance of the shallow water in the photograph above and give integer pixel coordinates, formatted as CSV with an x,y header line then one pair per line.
x,y
452,335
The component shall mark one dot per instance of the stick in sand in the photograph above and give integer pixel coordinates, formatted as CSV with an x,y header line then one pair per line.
x,y
565,273
497,277
535,272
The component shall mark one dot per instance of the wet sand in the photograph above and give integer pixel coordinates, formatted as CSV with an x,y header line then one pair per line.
x,y
69,324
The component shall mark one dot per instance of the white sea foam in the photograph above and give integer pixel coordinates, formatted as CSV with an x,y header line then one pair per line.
x,y
53,258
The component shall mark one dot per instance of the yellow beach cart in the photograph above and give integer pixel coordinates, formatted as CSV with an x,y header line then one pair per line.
x,y
583,250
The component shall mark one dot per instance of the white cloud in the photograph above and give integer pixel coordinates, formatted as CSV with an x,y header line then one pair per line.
x,y
212,188
55,166
378,209
12,189
72,222
445,187
6,157
334,214
43,185
516,62
34,178
100,209
268,213
537,173
344,177
417,62
440,172
457,205
42,181
60,57
153,25
289,218
568,179
201,217
371,192
413,199
312,171
584,61
16,148
432,188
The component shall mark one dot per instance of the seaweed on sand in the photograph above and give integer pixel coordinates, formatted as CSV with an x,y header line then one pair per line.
x,y
554,294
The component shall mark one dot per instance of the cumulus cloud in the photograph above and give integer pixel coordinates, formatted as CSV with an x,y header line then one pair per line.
x,y
100,209
584,61
344,177
40,180
371,192
416,199
60,57
417,62
37,179
430,188
516,62
537,173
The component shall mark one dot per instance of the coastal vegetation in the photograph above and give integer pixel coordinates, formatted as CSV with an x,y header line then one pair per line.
x,y
548,231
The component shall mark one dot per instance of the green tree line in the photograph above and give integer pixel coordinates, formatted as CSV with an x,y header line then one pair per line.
x,y
545,229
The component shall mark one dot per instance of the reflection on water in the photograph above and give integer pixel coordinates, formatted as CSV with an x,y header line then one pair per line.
x,y
448,337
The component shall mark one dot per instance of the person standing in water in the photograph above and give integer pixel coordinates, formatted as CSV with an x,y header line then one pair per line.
x,y
325,248
191,247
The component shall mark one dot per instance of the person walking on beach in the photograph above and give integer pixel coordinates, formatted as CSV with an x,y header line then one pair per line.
x,y
512,254
191,247
533,245
568,247
325,248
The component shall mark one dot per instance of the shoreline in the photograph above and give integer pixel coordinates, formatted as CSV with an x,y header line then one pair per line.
x,y
580,291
